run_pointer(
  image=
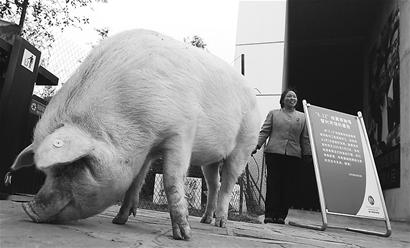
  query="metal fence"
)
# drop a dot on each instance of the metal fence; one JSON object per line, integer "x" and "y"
{"x": 246, "y": 197}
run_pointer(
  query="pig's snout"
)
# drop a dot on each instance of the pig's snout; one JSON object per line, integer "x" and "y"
{"x": 41, "y": 214}
{"x": 40, "y": 210}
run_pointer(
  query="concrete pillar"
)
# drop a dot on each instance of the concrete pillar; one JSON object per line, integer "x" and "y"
{"x": 401, "y": 209}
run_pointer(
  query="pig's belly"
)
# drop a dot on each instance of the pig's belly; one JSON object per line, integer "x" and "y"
{"x": 205, "y": 159}
{"x": 214, "y": 140}
{"x": 209, "y": 153}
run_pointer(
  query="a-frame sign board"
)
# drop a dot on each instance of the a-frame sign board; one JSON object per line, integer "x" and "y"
{"x": 346, "y": 175}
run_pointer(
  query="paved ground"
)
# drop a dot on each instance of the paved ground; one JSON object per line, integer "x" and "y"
{"x": 153, "y": 229}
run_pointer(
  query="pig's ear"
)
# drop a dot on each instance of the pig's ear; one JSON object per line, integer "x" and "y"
{"x": 24, "y": 159}
{"x": 64, "y": 145}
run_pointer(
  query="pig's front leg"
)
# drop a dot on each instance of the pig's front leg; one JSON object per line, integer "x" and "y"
{"x": 176, "y": 162}
{"x": 130, "y": 203}
{"x": 211, "y": 174}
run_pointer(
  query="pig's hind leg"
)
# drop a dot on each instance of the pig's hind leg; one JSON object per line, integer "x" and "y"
{"x": 211, "y": 175}
{"x": 231, "y": 170}
{"x": 130, "y": 203}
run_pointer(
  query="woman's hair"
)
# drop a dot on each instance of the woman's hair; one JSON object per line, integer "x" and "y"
{"x": 282, "y": 96}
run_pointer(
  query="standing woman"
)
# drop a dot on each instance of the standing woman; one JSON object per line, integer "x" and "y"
{"x": 288, "y": 143}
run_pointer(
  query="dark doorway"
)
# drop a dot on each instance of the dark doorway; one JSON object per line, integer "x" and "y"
{"x": 325, "y": 52}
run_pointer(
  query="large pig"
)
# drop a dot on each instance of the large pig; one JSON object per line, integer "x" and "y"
{"x": 139, "y": 96}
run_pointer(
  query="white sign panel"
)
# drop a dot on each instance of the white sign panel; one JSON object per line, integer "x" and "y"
{"x": 345, "y": 164}
{"x": 29, "y": 60}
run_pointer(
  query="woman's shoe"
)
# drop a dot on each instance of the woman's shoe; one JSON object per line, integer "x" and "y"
{"x": 268, "y": 220}
{"x": 280, "y": 221}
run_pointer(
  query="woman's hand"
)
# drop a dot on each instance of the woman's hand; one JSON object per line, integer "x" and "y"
{"x": 255, "y": 150}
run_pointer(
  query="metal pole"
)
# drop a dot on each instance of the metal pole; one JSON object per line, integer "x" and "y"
{"x": 246, "y": 169}
{"x": 23, "y": 14}
{"x": 241, "y": 194}
{"x": 243, "y": 64}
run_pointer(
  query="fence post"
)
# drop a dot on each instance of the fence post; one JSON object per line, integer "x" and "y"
{"x": 240, "y": 194}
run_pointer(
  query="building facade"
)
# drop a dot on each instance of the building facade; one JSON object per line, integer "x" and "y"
{"x": 347, "y": 55}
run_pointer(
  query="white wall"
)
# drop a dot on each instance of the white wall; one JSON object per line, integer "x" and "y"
{"x": 261, "y": 21}
{"x": 260, "y": 37}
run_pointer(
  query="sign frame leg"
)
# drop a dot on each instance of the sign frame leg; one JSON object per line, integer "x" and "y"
{"x": 386, "y": 219}
{"x": 318, "y": 181}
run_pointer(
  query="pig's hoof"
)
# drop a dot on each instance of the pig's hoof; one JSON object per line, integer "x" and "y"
{"x": 29, "y": 211}
{"x": 120, "y": 219}
{"x": 220, "y": 221}
{"x": 207, "y": 219}
{"x": 133, "y": 211}
{"x": 181, "y": 232}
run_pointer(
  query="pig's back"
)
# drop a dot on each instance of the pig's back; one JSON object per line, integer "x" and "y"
{"x": 142, "y": 80}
